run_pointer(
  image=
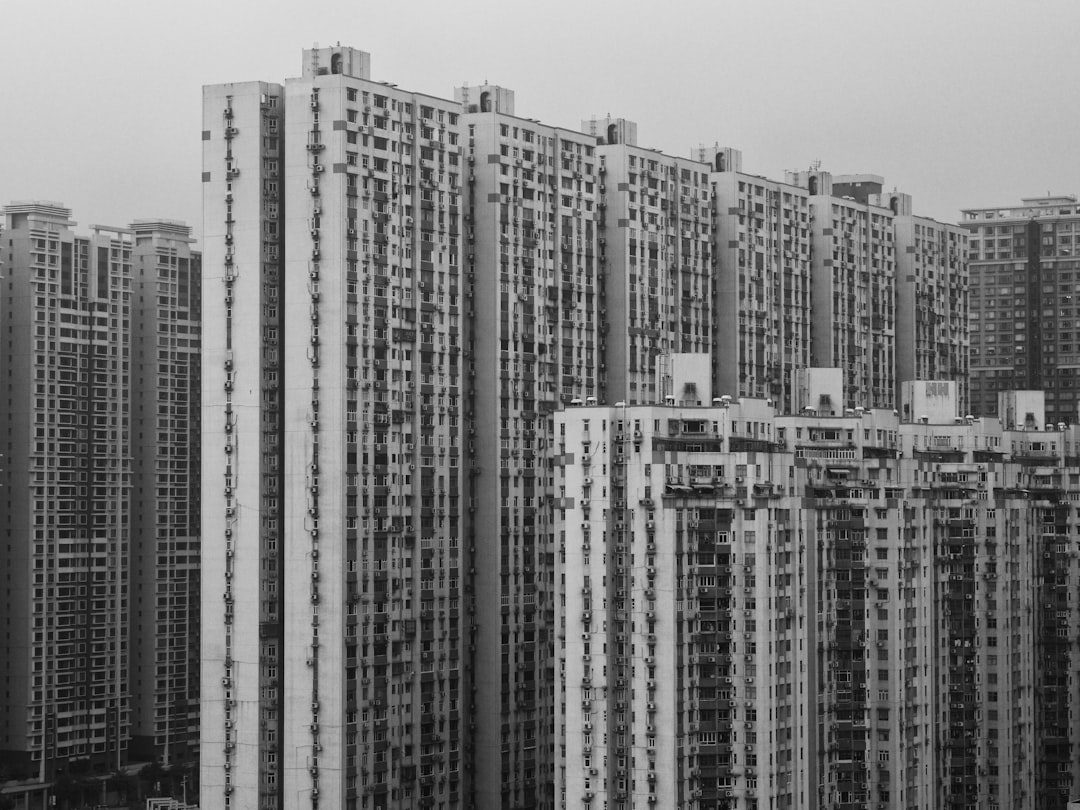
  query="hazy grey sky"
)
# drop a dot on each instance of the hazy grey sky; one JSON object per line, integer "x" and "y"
{"x": 961, "y": 104}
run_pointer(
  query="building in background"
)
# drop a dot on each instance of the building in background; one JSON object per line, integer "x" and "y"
{"x": 165, "y": 306}
{"x": 1025, "y": 326}
{"x": 761, "y": 288}
{"x": 66, "y": 480}
{"x": 799, "y": 611}
{"x": 333, "y": 606}
{"x": 932, "y": 341}
{"x": 889, "y": 289}
{"x": 534, "y": 316}
{"x": 853, "y": 288}
{"x": 653, "y": 218}
{"x": 931, "y": 288}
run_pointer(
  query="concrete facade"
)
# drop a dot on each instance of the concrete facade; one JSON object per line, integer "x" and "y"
{"x": 813, "y": 611}
{"x": 653, "y": 222}
{"x": 931, "y": 299}
{"x": 853, "y": 290}
{"x": 535, "y": 325}
{"x": 761, "y": 297}
{"x": 66, "y": 477}
{"x": 332, "y": 653}
{"x": 1024, "y": 268}
{"x": 405, "y": 295}
{"x": 166, "y": 317}
{"x": 240, "y": 649}
{"x": 931, "y": 287}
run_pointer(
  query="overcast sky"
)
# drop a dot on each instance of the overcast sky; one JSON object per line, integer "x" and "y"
{"x": 960, "y": 104}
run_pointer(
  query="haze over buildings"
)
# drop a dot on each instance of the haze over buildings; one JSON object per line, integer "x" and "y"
{"x": 816, "y": 82}
{"x": 533, "y": 452}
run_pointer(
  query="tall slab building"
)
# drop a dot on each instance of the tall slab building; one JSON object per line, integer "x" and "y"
{"x": 931, "y": 288}
{"x": 65, "y": 367}
{"x": 761, "y": 244}
{"x": 166, "y": 317}
{"x": 332, "y": 607}
{"x": 241, "y": 520}
{"x": 853, "y": 290}
{"x": 654, "y": 247}
{"x": 535, "y": 296}
{"x": 1024, "y": 268}
{"x": 412, "y": 288}
{"x": 932, "y": 341}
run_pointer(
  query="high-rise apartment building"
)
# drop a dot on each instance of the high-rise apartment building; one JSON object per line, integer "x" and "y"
{"x": 1025, "y": 267}
{"x": 166, "y": 280}
{"x": 653, "y": 219}
{"x": 932, "y": 340}
{"x": 889, "y": 289}
{"x": 332, "y": 570}
{"x": 242, "y": 449}
{"x": 487, "y": 257}
{"x": 761, "y": 301}
{"x": 401, "y": 295}
{"x": 600, "y": 251}
{"x": 635, "y": 626}
{"x": 811, "y": 611}
{"x": 534, "y": 305}
{"x": 853, "y": 289}
{"x": 931, "y": 288}
{"x": 66, "y": 481}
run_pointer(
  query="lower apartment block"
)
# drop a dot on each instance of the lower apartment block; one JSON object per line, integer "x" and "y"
{"x": 765, "y": 611}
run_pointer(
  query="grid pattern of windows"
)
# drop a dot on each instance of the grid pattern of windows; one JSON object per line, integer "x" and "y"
{"x": 67, "y": 481}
